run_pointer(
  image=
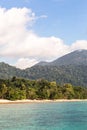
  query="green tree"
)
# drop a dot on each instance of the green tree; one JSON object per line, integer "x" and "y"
{"x": 68, "y": 91}
{"x": 31, "y": 93}
{"x": 3, "y": 90}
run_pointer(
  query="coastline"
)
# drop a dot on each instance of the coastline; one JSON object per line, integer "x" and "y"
{"x": 4, "y": 101}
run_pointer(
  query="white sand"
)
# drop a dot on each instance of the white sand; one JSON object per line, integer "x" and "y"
{"x": 3, "y": 101}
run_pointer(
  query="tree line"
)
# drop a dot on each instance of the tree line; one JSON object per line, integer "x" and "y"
{"x": 18, "y": 89}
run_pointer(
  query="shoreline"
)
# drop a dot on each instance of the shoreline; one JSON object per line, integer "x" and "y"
{"x": 4, "y": 101}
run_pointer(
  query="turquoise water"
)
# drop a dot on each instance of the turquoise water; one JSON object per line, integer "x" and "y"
{"x": 44, "y": 116}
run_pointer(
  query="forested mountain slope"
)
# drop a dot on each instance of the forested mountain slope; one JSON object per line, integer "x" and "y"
{"x": 71, "y": 68}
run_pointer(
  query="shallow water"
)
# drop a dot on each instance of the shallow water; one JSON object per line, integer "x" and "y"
{"x": 44, "y": 116}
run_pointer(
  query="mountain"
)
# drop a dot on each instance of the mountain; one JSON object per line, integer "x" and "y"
{"x": 71, "y": 68}
{"x": 42, "y": 63}
{"x": 8, "y": 71}
{"x": 78, "y": 57}
{"x": 76, "y": 75}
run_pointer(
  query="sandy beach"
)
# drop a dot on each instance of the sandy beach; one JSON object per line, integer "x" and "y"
{"x": 4, "y": 101}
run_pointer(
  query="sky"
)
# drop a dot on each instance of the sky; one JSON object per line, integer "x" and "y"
{"x": 41, "y": 30}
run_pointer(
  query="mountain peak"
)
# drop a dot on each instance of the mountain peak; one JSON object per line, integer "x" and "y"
{"x": 42, "y": 63}
{"x": 78, "y": 57}
{"x": 70, "y": 68}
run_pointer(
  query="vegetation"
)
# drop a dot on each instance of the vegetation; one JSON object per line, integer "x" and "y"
{"x": 16, "y": 88}
{"x": 71, "y": 68}
{"x": 76, "y": 75}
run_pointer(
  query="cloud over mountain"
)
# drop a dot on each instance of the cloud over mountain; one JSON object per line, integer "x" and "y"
{"x": 18, "y": 40}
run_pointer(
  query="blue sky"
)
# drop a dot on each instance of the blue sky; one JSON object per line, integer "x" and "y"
{"x": 58, "y": 24}
{"x": 66, "y": 19}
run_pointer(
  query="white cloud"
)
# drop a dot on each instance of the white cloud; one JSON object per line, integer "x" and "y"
{"x": 17, "y": 40}
{"x": 79, "y": 44}
{"x": 25, "y": 63}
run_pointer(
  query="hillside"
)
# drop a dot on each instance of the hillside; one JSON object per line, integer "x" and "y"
{"x": 71, "y": 68}
{"x": 8, "y": 71}
{"x": 76, "y": 75}
{"x": 78, "y": 57}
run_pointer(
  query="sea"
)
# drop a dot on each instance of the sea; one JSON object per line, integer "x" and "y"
{"x": 44, "y": 116}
